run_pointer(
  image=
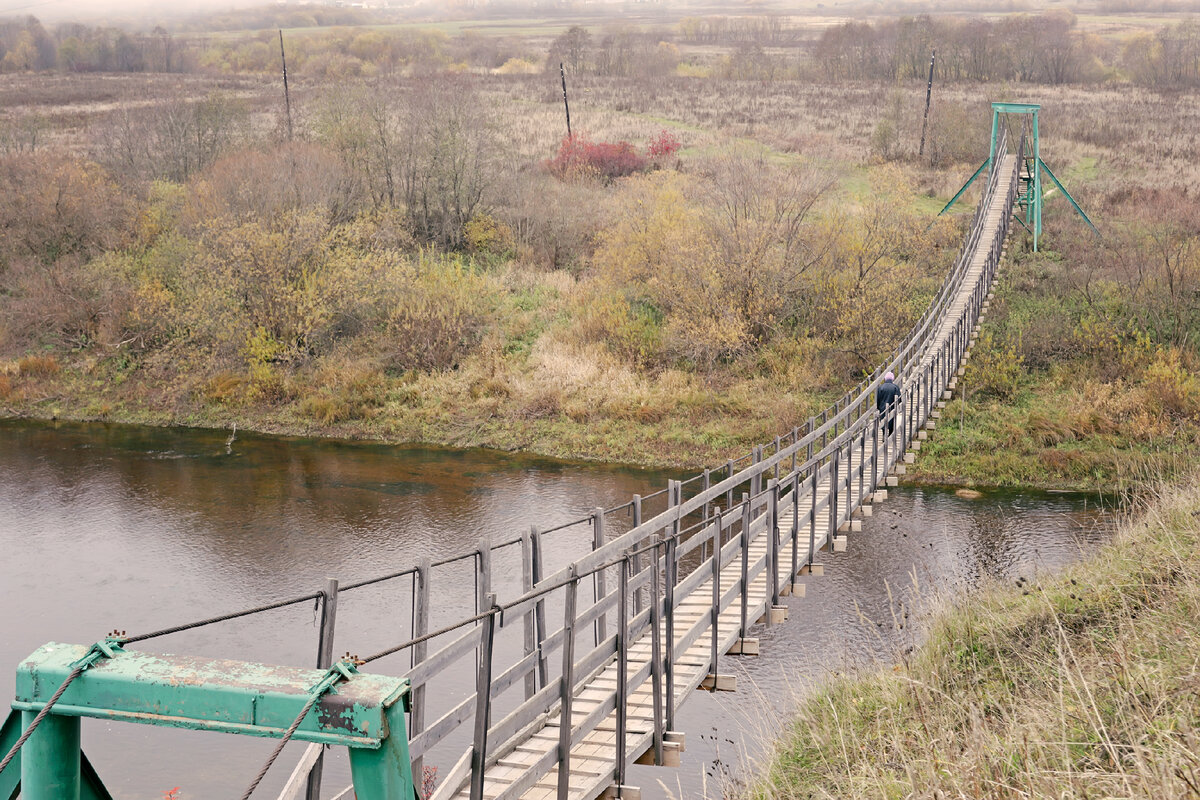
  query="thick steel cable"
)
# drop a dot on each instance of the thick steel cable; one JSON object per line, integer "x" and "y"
{"x": 505, "y": 607}
{"x": 222, "y": 618}
{"x": 379, "y": 579}
{"x": 426, "y": 637}
{"x": 287, "y": 736}
{"x": 16, "y": 748}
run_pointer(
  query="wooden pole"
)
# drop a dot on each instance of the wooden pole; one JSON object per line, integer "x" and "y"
{"x": 622, "y": 667}
{"x": 566, "y": 107}
{"x": 568, "y": 688}
{"x": 416, "y": 717}
{"x": 539, "y": 607}
{"x": 745, "y": 622}
{"x": 529, "y": 627}
{"x": 485, "y": 572}
{"x": 600, "y": 591}
{"x": 928, "y": 96}
{"x": 636, "y": 566}
{"x": 656, "y": 666}
{"x": 324, "y": 661}
{"x": 716, "y": 595}
{"x": 483, "y": 700}
{"x": 287, "y": 97}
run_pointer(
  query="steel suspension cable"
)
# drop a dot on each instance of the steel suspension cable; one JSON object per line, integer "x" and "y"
{"x": 41, "y": 715}
{"x": 287, "y": 737}
{"x": 222, "y": 618}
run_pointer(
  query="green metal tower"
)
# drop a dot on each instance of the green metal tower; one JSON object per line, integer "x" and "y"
{"x": 1028, "y": 208}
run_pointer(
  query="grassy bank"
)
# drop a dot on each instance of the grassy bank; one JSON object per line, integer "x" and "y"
{"x": 1080, "y": 685}
{"x": 1084, "y": 375}
{"x": 576, "y": 405}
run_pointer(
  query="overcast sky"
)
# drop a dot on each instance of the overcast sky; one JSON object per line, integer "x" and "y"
{"x": 92, "y": 10}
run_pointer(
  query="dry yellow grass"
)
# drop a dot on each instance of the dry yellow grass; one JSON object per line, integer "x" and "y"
{"x": 1080, "y": 685}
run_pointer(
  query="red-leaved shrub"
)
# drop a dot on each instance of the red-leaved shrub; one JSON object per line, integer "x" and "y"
{"x": 578, "y": 155}
{"x": 664, "y": 145}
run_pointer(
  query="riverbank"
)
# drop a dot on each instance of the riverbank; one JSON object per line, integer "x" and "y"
{"x": 1081, "y": 684}
{"x": 1043, "y": 437}
{"x": 682, "y": 420}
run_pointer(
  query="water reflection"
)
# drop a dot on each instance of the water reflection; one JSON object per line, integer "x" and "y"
{"x": 136, "y": 528}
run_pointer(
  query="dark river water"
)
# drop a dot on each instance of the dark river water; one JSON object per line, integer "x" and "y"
{"x": 105, "y": 527}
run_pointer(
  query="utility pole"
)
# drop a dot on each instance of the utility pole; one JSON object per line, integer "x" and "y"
{"x": 287, "y": 98}
{"x": 928, "y": 95}
{"x": 563, "y": 72}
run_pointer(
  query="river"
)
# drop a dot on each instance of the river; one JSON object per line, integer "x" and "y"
{"x": 136, "y": 528}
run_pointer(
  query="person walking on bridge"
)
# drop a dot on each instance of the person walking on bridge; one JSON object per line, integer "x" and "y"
{"x": 886, "y": 396}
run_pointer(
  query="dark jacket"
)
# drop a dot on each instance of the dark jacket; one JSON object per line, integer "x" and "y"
{"x": 886, "y": 394}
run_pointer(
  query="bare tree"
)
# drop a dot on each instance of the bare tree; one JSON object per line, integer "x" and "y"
{"x": 447, "y": 159}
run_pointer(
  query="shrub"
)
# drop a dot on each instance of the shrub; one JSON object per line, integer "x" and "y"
{"x": 1170, "y": 387}
{"x": 487, "y": 235}
{"x": 440, "y": 317}
{"x": 663, "y": 146}
{"x": 997, "y": 366}
{"x": 632, "y": 331}
{"x": 579, "y": 156}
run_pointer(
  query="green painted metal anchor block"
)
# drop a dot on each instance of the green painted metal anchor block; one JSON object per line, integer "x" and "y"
{"x": 364, "y": 713}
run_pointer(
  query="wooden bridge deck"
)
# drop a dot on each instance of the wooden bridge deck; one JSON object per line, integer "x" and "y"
{"x": 517, "y": 771}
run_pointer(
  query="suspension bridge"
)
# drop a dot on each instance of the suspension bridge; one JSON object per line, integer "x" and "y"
{"x": 583, "y": 671}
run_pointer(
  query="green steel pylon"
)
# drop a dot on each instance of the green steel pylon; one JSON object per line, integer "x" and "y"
{"x": 1028, "y": 207}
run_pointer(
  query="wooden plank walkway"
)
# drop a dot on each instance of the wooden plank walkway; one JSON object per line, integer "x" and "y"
{"x": 786, "y": 531}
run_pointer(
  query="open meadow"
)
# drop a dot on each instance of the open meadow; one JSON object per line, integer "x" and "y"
{"x": 739, "y": 228}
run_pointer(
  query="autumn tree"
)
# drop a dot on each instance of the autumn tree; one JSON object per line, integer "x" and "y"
{"x": 724, "y": 257}
{"x": 448, "y": 158}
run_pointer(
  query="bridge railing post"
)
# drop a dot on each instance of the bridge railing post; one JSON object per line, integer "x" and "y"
{"x": 636, "y": 566}
{"x": 745, "y": 626}
{"x": 875, "y": 453}
{"x": 669, "y": 626}
{"x": 529, "y": 640}
{"x": 812, "y": 514}
{"x": 483, "y": 582}
{"x": 421, "y": 613}
{"x": 848, "y": 497}
{"x": 622, "y": 698}
{"x": 756, "y": 478}
{"x": 729, "y": 493}
{"x": 483, "y": 699}
{"x": 329, "y": 598}
{"x": 833, "y": 496}
{"x": 795, "y": 531}
{"x": 772, "y": 533}
{"x": 656, "y": 664}
{"x": 716, "y": 595}
{"x": 862, "y": 463}
{"x": 567, "y": 694}
{"x": 795, "y": 441}
{"x": 599, "y": 589}
{"x": 539, "y": 606}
